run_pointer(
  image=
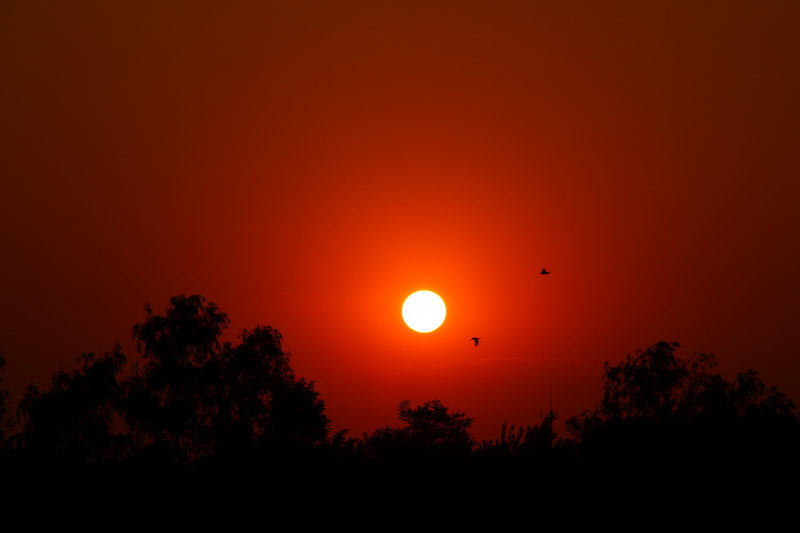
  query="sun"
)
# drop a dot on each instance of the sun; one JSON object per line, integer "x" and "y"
{"x": 424, "y": 311}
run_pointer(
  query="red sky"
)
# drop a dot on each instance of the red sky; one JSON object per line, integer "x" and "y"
{"x": 307, "y": 165}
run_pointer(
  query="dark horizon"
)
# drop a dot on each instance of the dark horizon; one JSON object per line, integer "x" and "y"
{"x": 195, "y": 401}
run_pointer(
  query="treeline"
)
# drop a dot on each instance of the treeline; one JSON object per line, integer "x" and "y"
{"x": 194, "y": 404}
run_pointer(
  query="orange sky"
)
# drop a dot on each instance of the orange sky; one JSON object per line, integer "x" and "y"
{"x": 307, "y": 165}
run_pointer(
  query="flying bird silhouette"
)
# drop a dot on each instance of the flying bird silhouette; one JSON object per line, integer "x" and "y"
{"x": 475, "y": 340}
{"x": 544, "y": 272}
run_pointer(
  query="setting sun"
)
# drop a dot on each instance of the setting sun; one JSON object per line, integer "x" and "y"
{"x": 211, "y": 209}
{"x": 424, "y": 311}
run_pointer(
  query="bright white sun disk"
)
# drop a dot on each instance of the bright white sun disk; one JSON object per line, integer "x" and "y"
{"x": 424, "y": 311}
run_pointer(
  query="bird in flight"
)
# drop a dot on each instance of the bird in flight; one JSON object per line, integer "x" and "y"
{"x": 475, "y": 340}
{"x": 544, "y": 272}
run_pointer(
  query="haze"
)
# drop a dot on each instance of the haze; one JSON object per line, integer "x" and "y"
{"x": 309, "y": 165}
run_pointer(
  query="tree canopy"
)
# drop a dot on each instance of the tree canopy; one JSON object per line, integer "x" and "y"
{"x": 432, "y": 434}
{"x": 193, "y": 401}
{"x": 192, "y": 398}
{"x": 77, "y": 420}
{"x": 199, "y": 398}
{"x": 3, "y": 406}
{"x": 656, "y": 404}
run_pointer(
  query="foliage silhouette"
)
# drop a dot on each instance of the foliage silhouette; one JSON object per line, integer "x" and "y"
{"x": 171, "y": 398}
{"x": 261, "y": 404}
{"x": 529, "y": 449}
{"x": 194, "y": 403}
{"x": 3, "y": 410}
{"x": 529, "y": 439}
{"x": 659, "y": 409}
{"x": 197, "y": 398}
{"x": 433, "y": 426}
{"x": 77, "y": 420}
{"x": 432, "y": 436}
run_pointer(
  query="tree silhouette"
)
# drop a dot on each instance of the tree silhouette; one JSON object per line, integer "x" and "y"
{"x": 3, "y": 409}
{"x": 260, "y": 405}
{"x": 197, "y": 398}
{"x": 432, "y": 424}
{"x": 656, "y": 406}
{"x": 433, "y": 435}
{"x": 654, "y": 385}
{"x": 171, "y": 400}
{"x": 77, "y": 420}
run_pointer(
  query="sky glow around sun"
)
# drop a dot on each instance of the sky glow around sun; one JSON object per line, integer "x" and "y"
{"x": 308, "y": 165}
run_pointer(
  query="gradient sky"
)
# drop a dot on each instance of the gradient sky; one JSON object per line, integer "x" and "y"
{"x": 307, "y": 165}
